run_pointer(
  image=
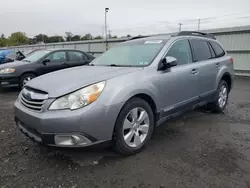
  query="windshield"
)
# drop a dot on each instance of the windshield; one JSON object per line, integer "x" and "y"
{"x": 36, "y": 56}
{"x": 136, "y": 54}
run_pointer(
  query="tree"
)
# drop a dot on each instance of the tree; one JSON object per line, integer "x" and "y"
{"x": 69, "y": 35}
{"x": 88, "y": 36}
{"x": 98, "y": 37}
{"x": 54, "y": 39}
{"x": 76, "y": 38}
{"x": 128, "y": 35}
{"x": 114, "y": 37}
{"x": 18, "y": 38}
{"x": 2, "y": 36}
{"x": 41, "y": 38}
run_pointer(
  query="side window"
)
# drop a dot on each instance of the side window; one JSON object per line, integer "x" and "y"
{"x": 57, "y": 56}
{"x": 76, "y": 56}
{"x": 201, "y": 49}
{"x": 211, "y": 50}
{"x": 217, "y": 48}
{"x": 181, "y": 51}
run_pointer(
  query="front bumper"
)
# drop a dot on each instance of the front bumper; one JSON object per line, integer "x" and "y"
{"x": 93, "y": 124}
{"x": 8, "y": 80}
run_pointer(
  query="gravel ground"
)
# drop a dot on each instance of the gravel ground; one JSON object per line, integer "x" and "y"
{"x": 197, "y": 149}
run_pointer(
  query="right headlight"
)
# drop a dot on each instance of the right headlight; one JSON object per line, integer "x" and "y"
{"x": 80, "y": 98}
{"x": 7, "y": 71}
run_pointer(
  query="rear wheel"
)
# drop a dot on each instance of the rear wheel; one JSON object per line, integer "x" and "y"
{"x": 221, "y": 97}
{"x": 134, "y": 127}
{"x": 25, "y": 79}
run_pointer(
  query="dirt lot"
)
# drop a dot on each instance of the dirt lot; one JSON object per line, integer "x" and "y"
{"x": 198, "y": 149}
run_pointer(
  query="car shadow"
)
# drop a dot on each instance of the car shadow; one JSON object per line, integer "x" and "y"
{"x": 9, "y": 90}
{"x": 103, "y": 154}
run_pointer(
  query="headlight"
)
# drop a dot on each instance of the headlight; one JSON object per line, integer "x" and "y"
{"x": 7, "y": 71}
{"x": 80, "y": 98}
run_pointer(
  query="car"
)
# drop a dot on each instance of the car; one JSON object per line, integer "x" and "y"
{"x": 3, "y": 55}
{"x": 125, "y": 93}
{"x": 41, "y": 62}
{"x": 14, "y": 56}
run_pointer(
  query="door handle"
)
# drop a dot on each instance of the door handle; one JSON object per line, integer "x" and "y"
{"x": 218, "y": 65}
{"x": 194, "y": 71}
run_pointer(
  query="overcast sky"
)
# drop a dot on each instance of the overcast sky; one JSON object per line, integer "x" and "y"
{"x": 54, "y": 17}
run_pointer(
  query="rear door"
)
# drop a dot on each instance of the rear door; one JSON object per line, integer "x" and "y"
{"x": 206, "y": 62}
{"x": 77, "y": 58}
{"x": 58, "y": 61}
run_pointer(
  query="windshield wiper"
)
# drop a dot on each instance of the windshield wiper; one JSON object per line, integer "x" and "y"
{"x": 115, "y": 65}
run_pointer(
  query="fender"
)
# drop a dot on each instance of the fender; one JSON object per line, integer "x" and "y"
{"x": 223, "y": 71}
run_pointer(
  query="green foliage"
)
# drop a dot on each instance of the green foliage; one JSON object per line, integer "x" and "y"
{"x": 98, "y": 37}
{"x": 54, "y": 39}
{"x": 18, "y": 38}
{"x": 88, "y": 36}
{"x": 76, "y": 38}
{"x": 41, "y": 38}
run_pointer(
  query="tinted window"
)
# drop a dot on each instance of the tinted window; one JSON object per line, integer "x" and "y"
{"x": 201, "y": 49}
{"x": 212, "y": 51}
{"x": 76, "y": 56}
{"x": 217, "y": 48}
{"x": 181, "y": 51}
{"x": 57, "y": 57}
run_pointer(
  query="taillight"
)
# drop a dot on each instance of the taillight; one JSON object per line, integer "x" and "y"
{"x": 232, "y": 60}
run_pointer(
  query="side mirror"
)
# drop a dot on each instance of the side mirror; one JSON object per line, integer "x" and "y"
{"x": 167, "y": 63}
{"x": 45, "y": 61}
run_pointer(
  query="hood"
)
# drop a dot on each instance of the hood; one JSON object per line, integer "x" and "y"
{"x": 68, "y": 80}
{"x": 13, "y": 64}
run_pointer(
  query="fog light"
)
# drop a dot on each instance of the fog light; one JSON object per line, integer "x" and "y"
{"x": 71, "y": 140}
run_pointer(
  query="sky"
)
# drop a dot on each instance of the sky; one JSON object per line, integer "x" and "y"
{"x": 55, "y": 17}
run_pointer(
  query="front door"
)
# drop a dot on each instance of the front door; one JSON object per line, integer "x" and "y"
{"x": 179, "y": 85}
{"x": 58, "y": 61}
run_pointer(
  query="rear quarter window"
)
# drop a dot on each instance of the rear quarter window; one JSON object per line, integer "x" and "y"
{"x": 219, "y": 52}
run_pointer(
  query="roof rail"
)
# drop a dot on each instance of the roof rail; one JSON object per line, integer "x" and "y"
{"x": 137, "y": 37}
{"x": 195, "y": 33}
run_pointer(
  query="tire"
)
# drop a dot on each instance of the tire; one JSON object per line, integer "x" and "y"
{"x": 216, "y": 106}
{"x": 24, "y": 78}
{"x": 136, "y": 134}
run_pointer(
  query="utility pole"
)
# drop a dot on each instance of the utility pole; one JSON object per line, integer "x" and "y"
{"x": 109, "y": 34}
{"x": 106, "y": 32}
{"x": 180, "y": 24}
{"x": 199, "y": 22}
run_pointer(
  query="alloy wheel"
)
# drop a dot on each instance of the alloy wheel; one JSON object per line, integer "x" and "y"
{"x": 136, "y": 127}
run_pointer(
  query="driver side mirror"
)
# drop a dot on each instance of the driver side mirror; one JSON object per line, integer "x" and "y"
{"x": 167, "y": 63}
{"x": 45, "y": 61}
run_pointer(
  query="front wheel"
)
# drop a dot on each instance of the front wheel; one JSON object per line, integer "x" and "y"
{"x": 221, "y": 97}
{"x": 134, "y": 127}
{"x": 25, "y": 78}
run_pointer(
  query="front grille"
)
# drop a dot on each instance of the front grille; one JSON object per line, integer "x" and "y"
{"x": 32, "y": 99}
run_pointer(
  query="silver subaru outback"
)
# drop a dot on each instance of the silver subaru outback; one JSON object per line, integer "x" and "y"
{"x": 123, "y": 95}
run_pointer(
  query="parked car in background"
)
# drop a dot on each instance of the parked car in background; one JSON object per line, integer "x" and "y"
{"x": 3, "y": 55}
{"x": 14, "y": 56}
{"x": 127, "y": 92}
{"x": 18, "y": 73}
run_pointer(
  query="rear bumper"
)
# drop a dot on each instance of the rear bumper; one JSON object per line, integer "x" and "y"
{"x": 8, "y": 80}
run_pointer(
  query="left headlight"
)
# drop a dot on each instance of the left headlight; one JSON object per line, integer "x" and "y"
{"x": 7, "y": 71}
{"x": 80, "y": 98}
